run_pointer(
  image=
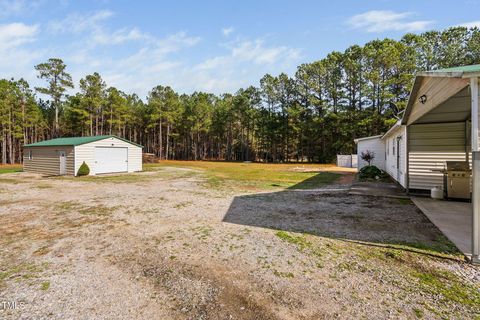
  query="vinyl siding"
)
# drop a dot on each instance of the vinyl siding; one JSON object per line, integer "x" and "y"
{"x": 430, "y": 146}
{"x": 46, "y": 160}
{"x": 398, "y": 174}
{"x": 86, "y": 152}
{"x": 377, "y": 146}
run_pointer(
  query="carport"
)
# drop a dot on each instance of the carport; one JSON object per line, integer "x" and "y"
{"x": 442, "y": 119}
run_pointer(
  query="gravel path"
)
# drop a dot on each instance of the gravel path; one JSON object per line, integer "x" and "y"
{"x": 162, "y": 245}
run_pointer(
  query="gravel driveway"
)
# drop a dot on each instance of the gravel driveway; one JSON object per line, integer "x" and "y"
{"x": 162, "y": 245}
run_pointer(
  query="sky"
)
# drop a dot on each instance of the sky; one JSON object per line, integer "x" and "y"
{"x": 216, "y": 46}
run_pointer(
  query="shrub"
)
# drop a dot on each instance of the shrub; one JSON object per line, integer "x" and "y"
{"x": 371, "y": 172}
{"x": 84, "y": 170}
{"x": 368, "y": 156}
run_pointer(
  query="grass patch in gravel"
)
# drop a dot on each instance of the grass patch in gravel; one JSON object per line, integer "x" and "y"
{"x": 441, "y": 245}
{"x": 257, "y": 175}
{"x": 22, "y": 271}
{"x": 75, "y": 206}
{"x": 184, "y": 204}
{"x": 283, "y": 274}
{"x": 300, "y": 241}
{"x": 302, "y": 244}
{"x": 449, "y": 286}
{"x": 202, "y": 233}
{"x": 45, "y": 285}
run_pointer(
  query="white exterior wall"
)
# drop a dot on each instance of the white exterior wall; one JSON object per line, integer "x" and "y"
{"x": 430, "y": 146}
{"x": 377, "y": 146}
{"x": 86, "y": 152}
{"x": 399, "y": 173}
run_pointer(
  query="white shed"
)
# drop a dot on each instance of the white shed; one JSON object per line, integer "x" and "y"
{"x": 64, "y": 156}
{"x": 374, "y": 144}
{"x": 395, "y": 141}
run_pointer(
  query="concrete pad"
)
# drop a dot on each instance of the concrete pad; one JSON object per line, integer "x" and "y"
{"x": 453, "y": 218}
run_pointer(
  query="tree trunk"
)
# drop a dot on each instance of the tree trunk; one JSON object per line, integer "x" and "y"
{"x": 167, "y": 142}
{"x": 160, "y": 145}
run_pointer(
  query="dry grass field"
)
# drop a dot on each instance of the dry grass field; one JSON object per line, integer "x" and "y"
{"x": 214, "y": 240}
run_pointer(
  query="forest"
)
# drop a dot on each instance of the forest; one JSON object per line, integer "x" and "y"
{"x": 310, "y": 116}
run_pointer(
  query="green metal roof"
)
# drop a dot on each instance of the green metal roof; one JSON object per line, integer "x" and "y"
{"x": 454, "y": 72}
{"x": 74, "y": 141}
{"x": 471, "y": 68}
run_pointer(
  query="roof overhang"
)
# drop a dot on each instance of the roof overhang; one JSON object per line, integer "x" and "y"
{"x": 367, "y": 138}
{"x": 444, "y": 88}
{"x": 438, "y": 88}
{"x": 397, "y": 126}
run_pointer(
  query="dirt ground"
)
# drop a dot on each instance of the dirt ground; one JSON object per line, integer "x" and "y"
{"x": 163, "y": 244}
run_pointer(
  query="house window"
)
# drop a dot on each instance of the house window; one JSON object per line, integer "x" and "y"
{"x": 393, "y": 148}
{"x": 29, "y": 154}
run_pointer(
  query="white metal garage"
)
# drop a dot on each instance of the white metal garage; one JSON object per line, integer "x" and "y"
{"x": 102, "y": 154}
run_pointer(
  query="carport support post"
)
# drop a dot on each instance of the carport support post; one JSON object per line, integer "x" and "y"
{"x": 476, "y": 172}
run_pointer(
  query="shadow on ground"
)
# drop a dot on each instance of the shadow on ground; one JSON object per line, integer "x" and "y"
{"x": 337, "y": 214}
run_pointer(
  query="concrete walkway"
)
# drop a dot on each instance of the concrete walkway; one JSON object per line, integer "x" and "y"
{"x": 453, "y": 218}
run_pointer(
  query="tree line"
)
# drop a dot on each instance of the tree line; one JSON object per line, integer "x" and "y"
{"x": 310, "y": 116}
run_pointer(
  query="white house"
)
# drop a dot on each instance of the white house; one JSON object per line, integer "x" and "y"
{"x": 64, "y": 156}
{"x": 395, "y": 141}
{"x": 440, "y": 124}
{"x": 442, "y": 119}
{"x": 374, "y": 144}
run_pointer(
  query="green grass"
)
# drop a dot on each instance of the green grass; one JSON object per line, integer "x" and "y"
{"x": 300, "y": 241}
{"x": 11, "y": 168}
{"x": 440, "y": 245}
{"x": 45, "y": 285}
{"x": 282, "y": 274}
{"x": 22, "y": 271}
{"x": 418, "y": 313}
{"x": 98, "y": 210}
{"x": 449, "y": 286}
{"x": 252, "y": 176}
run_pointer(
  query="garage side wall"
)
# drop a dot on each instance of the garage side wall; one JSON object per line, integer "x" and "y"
{"x": 377, "y": 146}
{"x": 46, "y": 160}
{"x": 430, "y": 146}
{"x": 86, "y": 152}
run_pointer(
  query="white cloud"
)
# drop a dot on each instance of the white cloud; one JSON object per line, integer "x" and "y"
{"x": 175, "y": 42}
{"x": 385, "y": 20}
{"x": 254, "y": 52}
{"x": 257, "y": 52}
{"x": 471, "y": 24}
{"x": 93, "y": 26}
{"x": 226, "y": 31}
{"x": 16, "y": 60}
{"x": 15, "y": 34}
{"x": 16, "y": 7}
{"x": 77, "y": 23}
{"x": 119, "y": 36}
{"x": 159, "y": 62}
{"x": 151, "y": 64}
{"x": 144, "y": 61}
{"x": 246, "y": 62}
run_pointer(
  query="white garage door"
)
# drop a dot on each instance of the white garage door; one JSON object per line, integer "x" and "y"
{"x": 108, "y": 159}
